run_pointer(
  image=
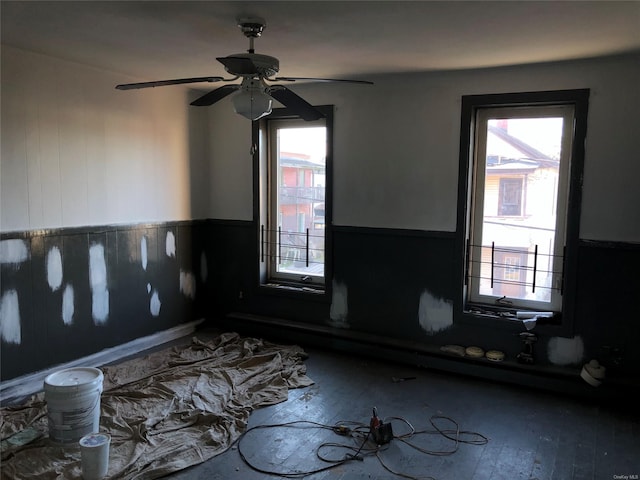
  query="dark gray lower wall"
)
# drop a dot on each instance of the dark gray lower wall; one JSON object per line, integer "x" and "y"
{"x": 606, "y": 310}
{"x": 208, "y": 268}
{"x": 68, "y": 293}
{"x": 385, "y": 273}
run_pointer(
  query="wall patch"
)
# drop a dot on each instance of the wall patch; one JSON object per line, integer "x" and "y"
{"x": 68, "y": 307}
{"x": 13, "y": 251}
{"x": 434, "y": 314}
{"x": 188, "y": 284}
{"x": 339, "y": 305}
{"x": 155, "y": 304}
{"x": 54, "y": 269}
{"x": 98, "y": 284}
{"x": 10, "y": 318}
{"x": 143, "y": 252}
{"x": 565, "y": 351}
{"x": 170, "y": 244}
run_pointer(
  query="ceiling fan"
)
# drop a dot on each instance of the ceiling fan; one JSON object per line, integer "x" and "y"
{"x": 253, "y": 96}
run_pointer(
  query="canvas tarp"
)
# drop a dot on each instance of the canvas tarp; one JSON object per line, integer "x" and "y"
{"x": 166, "y": 411}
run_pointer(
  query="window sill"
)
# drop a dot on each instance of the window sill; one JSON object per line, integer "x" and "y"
{"x": 510, "y": 312}
{"x": 506, "y": 319}
{"x": 295, "y": 291}
{"x": 295, "y": 288}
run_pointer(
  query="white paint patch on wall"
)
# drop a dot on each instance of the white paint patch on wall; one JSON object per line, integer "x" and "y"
{"x": 204, "y": 270}
{"x": 339, "y": 305}
{"x": 13, "y": 251}
{"x": 170, "y": 244}
{"x": 68, "y": 307}
{"x": 565, "y": 351}
{"x": 10, "y": 318}
{"x": 54, "y": 268}
{"x": 98, "y": 284}
{"x": 434, "y": 314}
{"x": 188, "y": 284}
{"x": 143, "y": 252}
{"x": 155, "y": 304}
{"x": 148, "y": 288}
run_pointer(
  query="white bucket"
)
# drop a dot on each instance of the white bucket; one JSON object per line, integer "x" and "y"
{"x": 73, "y": 403}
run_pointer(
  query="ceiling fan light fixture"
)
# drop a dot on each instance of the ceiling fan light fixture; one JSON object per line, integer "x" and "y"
{"x": 252, "y": 103}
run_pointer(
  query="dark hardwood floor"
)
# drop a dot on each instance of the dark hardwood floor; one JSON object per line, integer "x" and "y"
{"x": 530, "y": 434}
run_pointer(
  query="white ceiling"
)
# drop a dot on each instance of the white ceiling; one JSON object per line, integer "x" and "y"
{"x": 153, "y": 40}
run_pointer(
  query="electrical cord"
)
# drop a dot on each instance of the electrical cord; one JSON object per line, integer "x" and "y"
{"x": 447, "y": 433}
{"x": 360, "y": 433}
{"x": 472, "y": 438}
{"x": 303, "y": 424}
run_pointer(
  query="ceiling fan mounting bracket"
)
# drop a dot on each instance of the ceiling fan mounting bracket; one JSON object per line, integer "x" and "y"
{"x": 252, "y": 27}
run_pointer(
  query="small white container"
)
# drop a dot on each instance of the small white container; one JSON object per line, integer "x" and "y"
{"x": 94, "y": 450}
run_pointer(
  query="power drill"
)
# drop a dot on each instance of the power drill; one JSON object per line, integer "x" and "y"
{"x": 381, "y": 432}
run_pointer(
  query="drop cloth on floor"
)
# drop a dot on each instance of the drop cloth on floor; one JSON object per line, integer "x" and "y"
{"x": 166, "y": 411}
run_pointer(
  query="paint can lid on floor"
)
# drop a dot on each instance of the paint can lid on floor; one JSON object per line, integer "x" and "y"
{"x": 474, "y": 352}
{"x": 495, "y": 355}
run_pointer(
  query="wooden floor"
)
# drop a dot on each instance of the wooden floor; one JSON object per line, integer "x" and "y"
{"x": 530, "y": 434}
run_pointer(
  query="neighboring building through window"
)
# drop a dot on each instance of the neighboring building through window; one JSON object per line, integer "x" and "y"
{"x": 521, "y": 206}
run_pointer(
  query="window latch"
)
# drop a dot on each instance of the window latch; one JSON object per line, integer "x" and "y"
{"x": 503, "y": 301}
{"x": 306, "y": 279}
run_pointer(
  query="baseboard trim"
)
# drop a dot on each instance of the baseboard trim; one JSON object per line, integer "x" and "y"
{"x": 550, "y": 378}
{"x": 25, "y": 385}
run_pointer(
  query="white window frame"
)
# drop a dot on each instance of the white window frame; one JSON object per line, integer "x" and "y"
{"x": 477, "y": 189}
{"x": 267, "y": 181}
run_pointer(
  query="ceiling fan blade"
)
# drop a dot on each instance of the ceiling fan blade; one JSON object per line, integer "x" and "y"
{"x": 162, "y": 83}
{"x": 296, "y": 103}
{"x": 293, "y": 79}
{"x": 215, "y": 95}
{"x": 238, "y": 65}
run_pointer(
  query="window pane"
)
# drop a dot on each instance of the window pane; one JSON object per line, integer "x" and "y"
{"x": 519, "y": 225}
{"x": 510, "y": 200}
{"x": 301, "y": 176}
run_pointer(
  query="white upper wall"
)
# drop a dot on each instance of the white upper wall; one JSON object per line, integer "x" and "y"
{"x": 230, "y": 163}
{"x": 77, "y": 152}
{"x": 396, "y": 145}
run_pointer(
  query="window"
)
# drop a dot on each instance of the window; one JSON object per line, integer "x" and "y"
{"x": 521, "y": 165}
{"x": 510, "y": 200}
{"x": 294, "y": 201}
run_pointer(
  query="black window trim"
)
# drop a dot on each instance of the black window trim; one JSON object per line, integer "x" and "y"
{"x": 561, "y": 324}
